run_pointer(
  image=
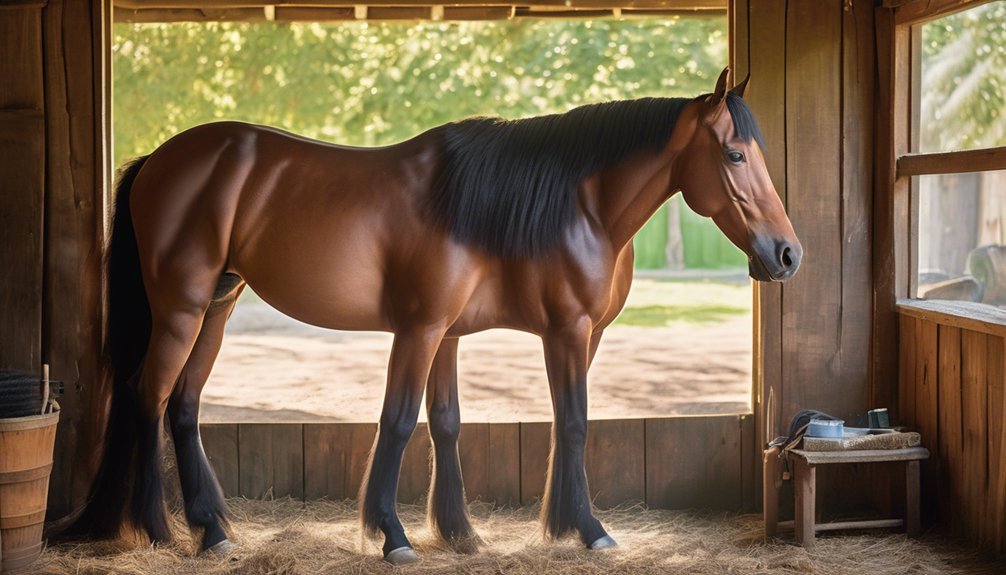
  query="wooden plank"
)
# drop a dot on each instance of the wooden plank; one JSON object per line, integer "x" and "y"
{"x": 766, "y": 56}
{"x": 22, "y": 169}
{"x": 358, "y": 443}
{"x": 684, "y": 5}
{"x": 615, "y": 459}
{"x": 750, "y": 464}
{"x": 693, "y": 462}
{"x": 271, "y": 460}
{"x": 158, "y": 15}
{"x": 73, "y": 219}
{"x": 962, "y": 162}
{"x": 473, "y": 450}
{"x": 771, "y": 482}
{"x": 535, "y": 442}
{"x": 912, "y": 495}
{"x": 927, "y": 401}
{"x": 325, "y": 458}
{"x": 858, "y": 55}
{"x": 971, "y": 316}
{"x": 504, "y": 464}
{"x": 220, "y": 442}
{"x": 861, "y": 455}
{"x": 814, "y": 373}
{"x": 887, "y": 226}
{"x": 414, "y": 480}
{"x": 996, "y": 435}
{"x": 907, "y": 344}
{"x": 951, "y": 444}
{"x": 974, "y": 403}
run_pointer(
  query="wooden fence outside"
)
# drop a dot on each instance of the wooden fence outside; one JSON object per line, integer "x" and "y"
{"x": 951, "y": 390}
{"x": 671, "y": 463}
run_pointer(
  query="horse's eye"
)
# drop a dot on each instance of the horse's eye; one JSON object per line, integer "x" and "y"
{"x": 735, "y": 156}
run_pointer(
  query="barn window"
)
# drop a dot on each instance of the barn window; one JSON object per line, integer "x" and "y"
{"x": 957, "y": 155}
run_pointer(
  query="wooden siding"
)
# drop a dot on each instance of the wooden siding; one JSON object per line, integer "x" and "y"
{"x": 672, "y": 463}
{"x": 951, "y": 391}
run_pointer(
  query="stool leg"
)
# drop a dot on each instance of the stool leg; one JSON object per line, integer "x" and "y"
{"x": 770, "y": 491}
{"x": 804, "y": 483}
{"x": 912, "y": 497}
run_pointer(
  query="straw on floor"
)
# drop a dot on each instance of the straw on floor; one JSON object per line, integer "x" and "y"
{"x": 291, "y": 538}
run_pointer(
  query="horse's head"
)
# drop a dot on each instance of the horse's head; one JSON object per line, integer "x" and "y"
{"x": 721, "y": 173}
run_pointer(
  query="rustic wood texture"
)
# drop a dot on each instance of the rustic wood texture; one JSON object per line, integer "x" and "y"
{"x": 22, "y": 184}
{"x": 535, "y": 441}
{"x": 473, "y": 450}
{"x": 503, "y": 467}
{"x": 616, "y": 461}
{"x": 325, "y": 458}
{"x": 906, "y": 379}
{"x": 271, "y": 460}
{"x": 952, "y": 162}
{"x": 974, "y": 394}
{"x": 220, "y": 442}
{"x": 963, "y": 484}
{"x": 686, "y": 5}
{"x": 966, "y": 315}
{"x": 693, "y": 462}
{"x": 916, "y": 11}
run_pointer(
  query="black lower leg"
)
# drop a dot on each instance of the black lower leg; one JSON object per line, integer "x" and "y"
{"x": 448, "y": 511}
{"x": 381, "y": 485}
{"x": 148, "y": 509}
{"x": 204, "y": 504}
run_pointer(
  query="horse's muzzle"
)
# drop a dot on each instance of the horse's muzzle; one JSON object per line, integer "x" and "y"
{"x": 782, "y": 261}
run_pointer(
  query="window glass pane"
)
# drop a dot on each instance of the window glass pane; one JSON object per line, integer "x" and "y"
{"x": 964, "y": 80}
{"x": 962, "y": 237}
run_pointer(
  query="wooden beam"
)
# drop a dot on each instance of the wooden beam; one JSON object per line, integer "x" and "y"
{"x": 690, "y": 5}
{"x": 918, "y": 11}
{"x": 952, "y": 162}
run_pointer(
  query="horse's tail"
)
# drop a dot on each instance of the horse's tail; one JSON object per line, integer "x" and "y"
{"x": 126, "y": 337}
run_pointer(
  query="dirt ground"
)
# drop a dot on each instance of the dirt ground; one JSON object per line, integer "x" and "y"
{"x": 273, "y": 368}
{"x": 293, "y": 538}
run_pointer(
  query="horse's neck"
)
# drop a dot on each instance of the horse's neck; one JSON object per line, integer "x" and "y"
{"x": 626, "y": 195}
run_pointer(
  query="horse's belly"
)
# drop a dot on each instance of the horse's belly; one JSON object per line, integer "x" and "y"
{"x": 328, "y": 286}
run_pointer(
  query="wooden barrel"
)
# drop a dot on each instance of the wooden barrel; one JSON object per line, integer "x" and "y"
{"x": 25, "y": 462}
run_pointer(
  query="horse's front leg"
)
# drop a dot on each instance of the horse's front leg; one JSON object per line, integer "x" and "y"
{"x": 566, "y": 506}
{"x": 411, "y": 357}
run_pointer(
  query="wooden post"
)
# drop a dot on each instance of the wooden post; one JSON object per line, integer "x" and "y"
{"x": 912, "y": 496}
{"x": 805, "y": 480}
{"x": 770, "y": 491}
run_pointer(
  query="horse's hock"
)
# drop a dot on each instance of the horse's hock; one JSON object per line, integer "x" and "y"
{"x": 26, "y": 445}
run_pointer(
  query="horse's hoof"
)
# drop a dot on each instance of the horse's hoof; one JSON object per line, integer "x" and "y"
{"x": 222, "y": 549}
{"x": 605, "y": 542}
{"x": 401, "y": 556}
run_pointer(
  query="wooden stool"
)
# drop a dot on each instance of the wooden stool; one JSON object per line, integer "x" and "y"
{"x": 805, "y": 464}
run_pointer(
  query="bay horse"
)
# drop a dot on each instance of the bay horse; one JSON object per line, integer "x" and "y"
{"x": 479, "y": 224}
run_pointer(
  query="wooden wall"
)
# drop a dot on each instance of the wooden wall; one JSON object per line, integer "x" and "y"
{"x": 672, "y": 463}
{"x": 951, "y": 382}
{"x": 812, "y": 67}
{"x": 51, "y": 206}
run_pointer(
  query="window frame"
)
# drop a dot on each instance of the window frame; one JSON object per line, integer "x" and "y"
{"x": 909, "y": 16}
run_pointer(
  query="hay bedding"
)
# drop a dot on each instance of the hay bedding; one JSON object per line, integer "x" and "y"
{"x": 292, "y": 538}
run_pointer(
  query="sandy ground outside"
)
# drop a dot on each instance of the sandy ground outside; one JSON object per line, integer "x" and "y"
{"x": 273, "y": 368}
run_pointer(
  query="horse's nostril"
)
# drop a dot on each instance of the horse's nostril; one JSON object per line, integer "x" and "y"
{"x": 786, "y": 257}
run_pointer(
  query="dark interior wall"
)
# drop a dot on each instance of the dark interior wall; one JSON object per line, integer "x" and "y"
{"x": 812, "y": 68}
{"x": 51, "y": 153}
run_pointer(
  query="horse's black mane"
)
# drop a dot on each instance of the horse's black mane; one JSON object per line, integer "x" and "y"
{"x": 509, "y": 186}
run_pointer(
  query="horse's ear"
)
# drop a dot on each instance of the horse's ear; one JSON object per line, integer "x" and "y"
{"x": 721, "y": 88}
{"x": 742, "y": 88}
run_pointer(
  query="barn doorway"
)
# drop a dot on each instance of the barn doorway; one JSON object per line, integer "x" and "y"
{"x": 683, "y": 345}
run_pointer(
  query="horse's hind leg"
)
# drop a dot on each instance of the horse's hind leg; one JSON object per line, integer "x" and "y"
{"x": 204, "y": 504}
{"x": 448, "y": 512}
{"x": 411, "y": 357}
{"x": 177, "y": 311}
{"x": 566, "y": 506}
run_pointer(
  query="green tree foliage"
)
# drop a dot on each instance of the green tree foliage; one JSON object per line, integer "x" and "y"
{"x": 372, "y": 84}
{"x": 964, "y": 80}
